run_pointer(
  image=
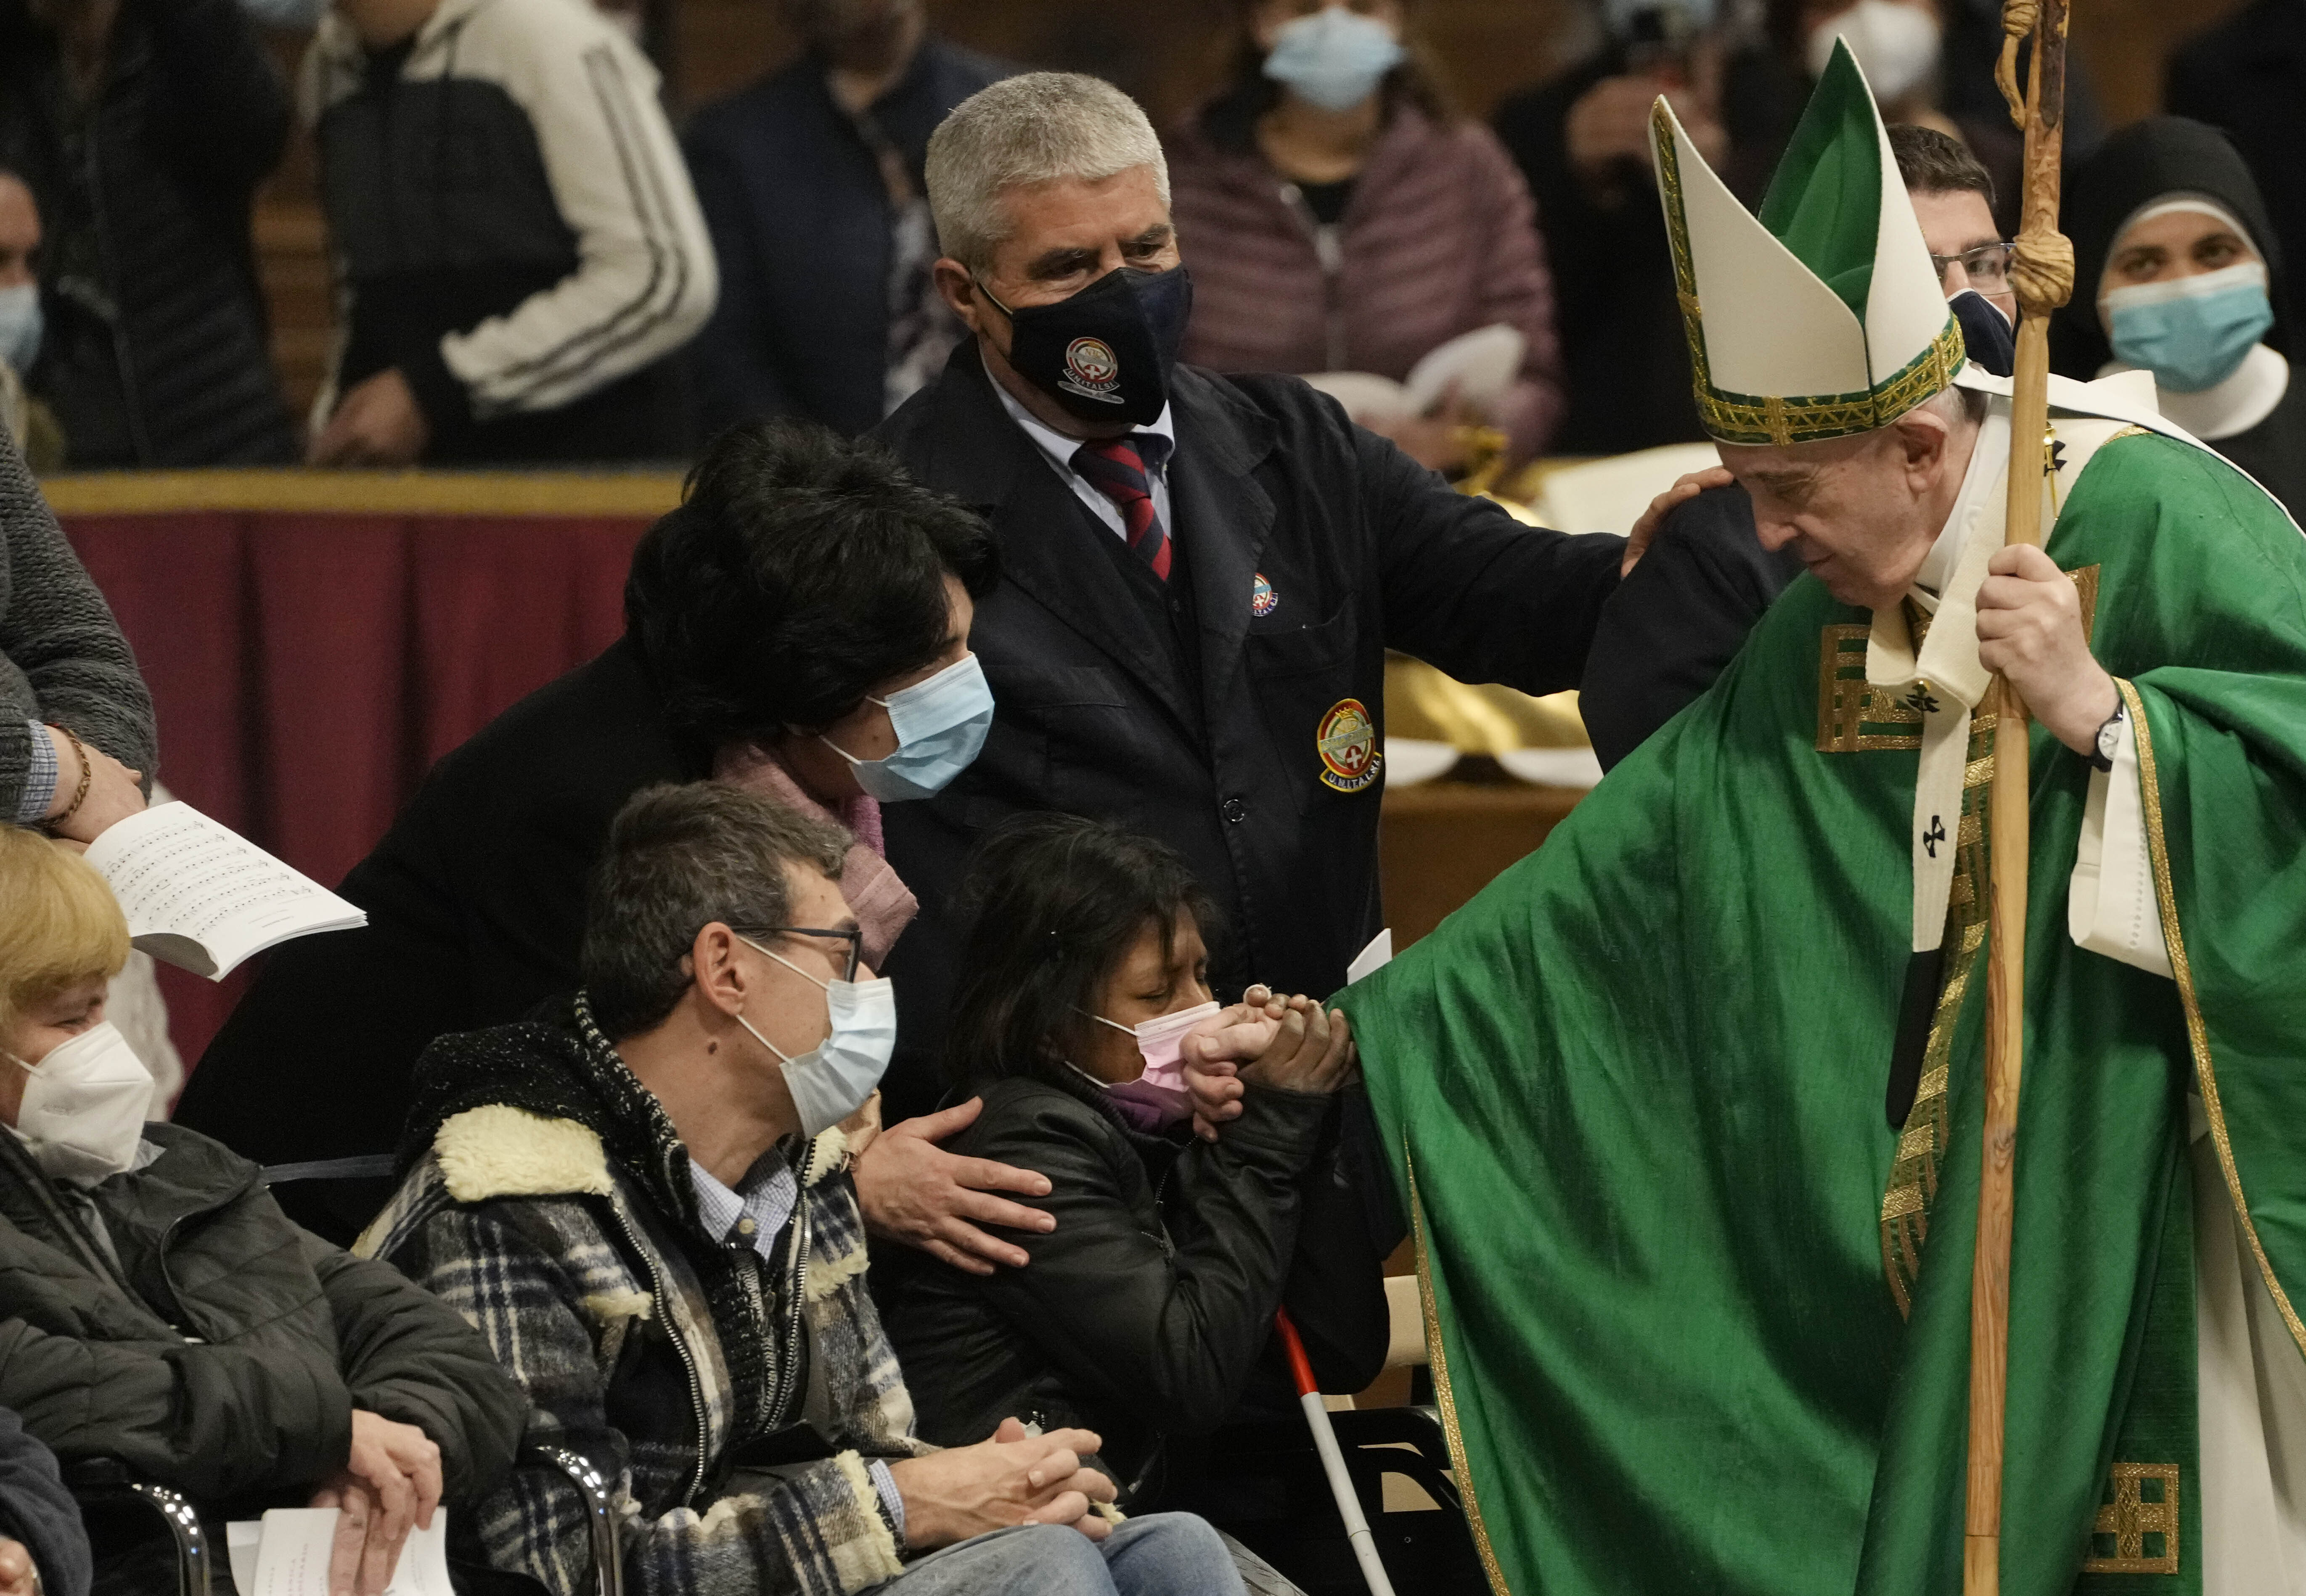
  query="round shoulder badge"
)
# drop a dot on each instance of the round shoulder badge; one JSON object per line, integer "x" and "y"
{"x": 1262, "y": 600}
{"x": 1347, "y": 742}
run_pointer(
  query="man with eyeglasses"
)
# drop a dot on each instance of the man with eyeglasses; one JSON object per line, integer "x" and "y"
{"x": 643, "y": 1199}
{"x": 1671, "y": 627}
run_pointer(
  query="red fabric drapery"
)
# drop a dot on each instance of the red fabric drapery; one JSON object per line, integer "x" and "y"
{"x": 314, "y": 641}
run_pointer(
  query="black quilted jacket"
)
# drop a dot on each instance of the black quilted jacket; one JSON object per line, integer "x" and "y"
{"x": 158, "y": 351}
{"x": 223, "y": 1350}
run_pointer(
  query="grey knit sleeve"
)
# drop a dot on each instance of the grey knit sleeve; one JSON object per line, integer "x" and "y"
{"x": 58, "y": 641}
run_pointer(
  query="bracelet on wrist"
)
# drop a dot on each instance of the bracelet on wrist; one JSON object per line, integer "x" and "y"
{"x": 87, "y": 774}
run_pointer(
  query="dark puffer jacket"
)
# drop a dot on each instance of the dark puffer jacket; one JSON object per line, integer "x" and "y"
{"x": 1148, "y": 1313}
{"x": 224, "y": 1353}
{"x": 158, "y": 351}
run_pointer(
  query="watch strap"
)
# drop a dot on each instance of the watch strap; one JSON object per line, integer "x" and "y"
{"x": 2098, "y": 758}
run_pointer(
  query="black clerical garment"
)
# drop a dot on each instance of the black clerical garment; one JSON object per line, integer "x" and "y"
{"x": 1233, "y": 712}
{"x": 475, "y": 902}
{"x": 1683, "y": 614}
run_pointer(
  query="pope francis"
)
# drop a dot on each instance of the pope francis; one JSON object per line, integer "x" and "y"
{"x": 1685, "y": 1106}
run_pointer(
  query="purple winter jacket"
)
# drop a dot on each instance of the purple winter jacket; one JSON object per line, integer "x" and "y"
{"x": 1438, "y": 237}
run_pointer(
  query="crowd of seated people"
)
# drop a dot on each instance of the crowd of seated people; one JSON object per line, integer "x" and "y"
{"x": 633, "y": 1226}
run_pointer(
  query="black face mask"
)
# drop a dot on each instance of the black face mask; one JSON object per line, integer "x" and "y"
{"x": 1987, "y": 337}
{"x": 1104, "y": 354}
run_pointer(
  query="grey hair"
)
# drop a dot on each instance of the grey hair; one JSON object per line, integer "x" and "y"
{"x": 1025, "y": 130}
{"x": 1956, "y": 406}
{"x": 677, "y": 859}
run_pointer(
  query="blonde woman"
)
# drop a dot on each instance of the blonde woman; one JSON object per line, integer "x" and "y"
{"x": 156, "y": 1307}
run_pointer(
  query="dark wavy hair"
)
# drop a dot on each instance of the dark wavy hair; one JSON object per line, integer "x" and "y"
{"x": 1052, "y": 903}
{"x": 801, "y": 569}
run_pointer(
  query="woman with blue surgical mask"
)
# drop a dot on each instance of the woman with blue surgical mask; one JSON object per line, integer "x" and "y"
{"x": 2170, "y": 232}
{"x": 797, "y": 627}
{"x": 1339, "y": 218}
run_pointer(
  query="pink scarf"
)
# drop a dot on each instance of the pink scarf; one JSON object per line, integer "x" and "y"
{"x": 881, "y": 901}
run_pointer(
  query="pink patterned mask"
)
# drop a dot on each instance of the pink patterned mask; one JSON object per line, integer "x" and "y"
{"x": 1158, "y": 1092}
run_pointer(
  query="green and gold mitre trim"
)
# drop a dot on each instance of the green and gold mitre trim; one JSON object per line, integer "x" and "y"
{"x": 1823, "y": 316}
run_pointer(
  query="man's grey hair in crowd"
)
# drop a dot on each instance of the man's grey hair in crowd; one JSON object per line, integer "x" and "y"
{"x": 679, "y": 858}
{"x": 1023, "y": 130}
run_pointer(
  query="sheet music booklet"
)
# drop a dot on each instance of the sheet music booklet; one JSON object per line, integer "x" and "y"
{"x": 203, "y": 898}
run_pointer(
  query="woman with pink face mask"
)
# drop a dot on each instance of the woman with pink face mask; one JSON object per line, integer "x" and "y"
{"x": 1146, "y": 1313}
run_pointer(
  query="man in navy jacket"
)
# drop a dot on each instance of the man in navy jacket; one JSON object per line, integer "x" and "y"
{"x": 811, "y": 185}
{"x": 1189, "y": 634}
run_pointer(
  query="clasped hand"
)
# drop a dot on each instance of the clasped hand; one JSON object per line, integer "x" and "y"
{"x": 391, "y": 1484}
{"x": 1015, "y": 1478}
{"x": 2029, "y": 629}
{"x": 1289, "y": 1043}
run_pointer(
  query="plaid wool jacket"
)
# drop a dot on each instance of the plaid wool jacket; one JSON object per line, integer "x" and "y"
{"x": 551, "y": 1204}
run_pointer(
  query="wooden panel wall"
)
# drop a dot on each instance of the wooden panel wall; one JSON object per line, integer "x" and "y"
{"x": 1168, "y": 53}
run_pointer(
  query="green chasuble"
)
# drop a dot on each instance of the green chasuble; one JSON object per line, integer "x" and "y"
{"x": 1699, "y": 1316}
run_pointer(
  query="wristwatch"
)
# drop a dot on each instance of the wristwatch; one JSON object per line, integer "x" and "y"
{"x": 2109, "y": 737}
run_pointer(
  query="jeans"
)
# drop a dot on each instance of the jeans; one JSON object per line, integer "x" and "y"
{"x": 1162, "y": 1554}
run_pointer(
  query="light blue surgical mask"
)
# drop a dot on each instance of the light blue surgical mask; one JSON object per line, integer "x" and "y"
{"x": 2192, "y": 332}
{"x": 940, "y": 725}
{"x": 1335, "y": 57}
{"x": 301, "y": 15}
{"x": 19, "y": 326}
{"x": 1675, "y": 20}
{"x": 831, "y": 1080}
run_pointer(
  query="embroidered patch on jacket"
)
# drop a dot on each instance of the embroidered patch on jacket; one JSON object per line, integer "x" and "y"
{"x": 2137, "y": 1527}
{"x": 1262, "y": 600}
{"x": 1348, "y": 744}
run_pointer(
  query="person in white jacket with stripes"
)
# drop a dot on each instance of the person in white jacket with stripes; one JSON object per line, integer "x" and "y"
{"x": 517, "y": 249}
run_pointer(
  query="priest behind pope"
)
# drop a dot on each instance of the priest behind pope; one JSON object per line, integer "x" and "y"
{"x": 1686, "y": 1107}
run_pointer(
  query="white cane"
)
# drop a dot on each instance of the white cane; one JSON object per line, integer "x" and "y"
{"x": 1333, "y": 1460}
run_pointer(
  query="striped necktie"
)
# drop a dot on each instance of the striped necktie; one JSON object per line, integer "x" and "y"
{"x": 1118, "y": 468}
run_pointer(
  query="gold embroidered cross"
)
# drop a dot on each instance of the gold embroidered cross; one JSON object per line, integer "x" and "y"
{"x": 2137, "y": 1527}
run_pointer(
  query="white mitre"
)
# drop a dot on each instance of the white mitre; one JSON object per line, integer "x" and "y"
{"x": 1823, "y": 316}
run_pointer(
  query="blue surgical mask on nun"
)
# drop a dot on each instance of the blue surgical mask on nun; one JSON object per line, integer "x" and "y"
{"x": 2190, "y": 332}
{"x": 1335, "y": 58}
{"x": 19, "y": 326}
{"x": 940, "y": 725}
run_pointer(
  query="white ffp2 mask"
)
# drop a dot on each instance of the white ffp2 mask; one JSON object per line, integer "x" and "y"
{"x": 84, "y": 1107}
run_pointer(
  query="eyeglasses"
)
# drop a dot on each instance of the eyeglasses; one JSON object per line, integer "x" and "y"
{"x": 1987, "y": 266}
{"x": 855, "y": 939}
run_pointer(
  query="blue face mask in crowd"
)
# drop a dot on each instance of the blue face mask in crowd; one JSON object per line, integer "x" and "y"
{"x": 1988, "y": 337}
{"x": 831, "y": 1080}
{"x": 2190, "y": 332}
{"x": 1334, "y": 58}
{"x": 300, "y": 15}
{"x": 1669, "y": 20}
{"x": 20, "y": 325}
{"x": 940, "y": 725}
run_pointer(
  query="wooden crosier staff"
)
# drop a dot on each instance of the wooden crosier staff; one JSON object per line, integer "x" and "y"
{"x": 2043, "y": 273}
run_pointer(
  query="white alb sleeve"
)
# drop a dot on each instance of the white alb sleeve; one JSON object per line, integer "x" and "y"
{"x": 2110, "y": 903}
